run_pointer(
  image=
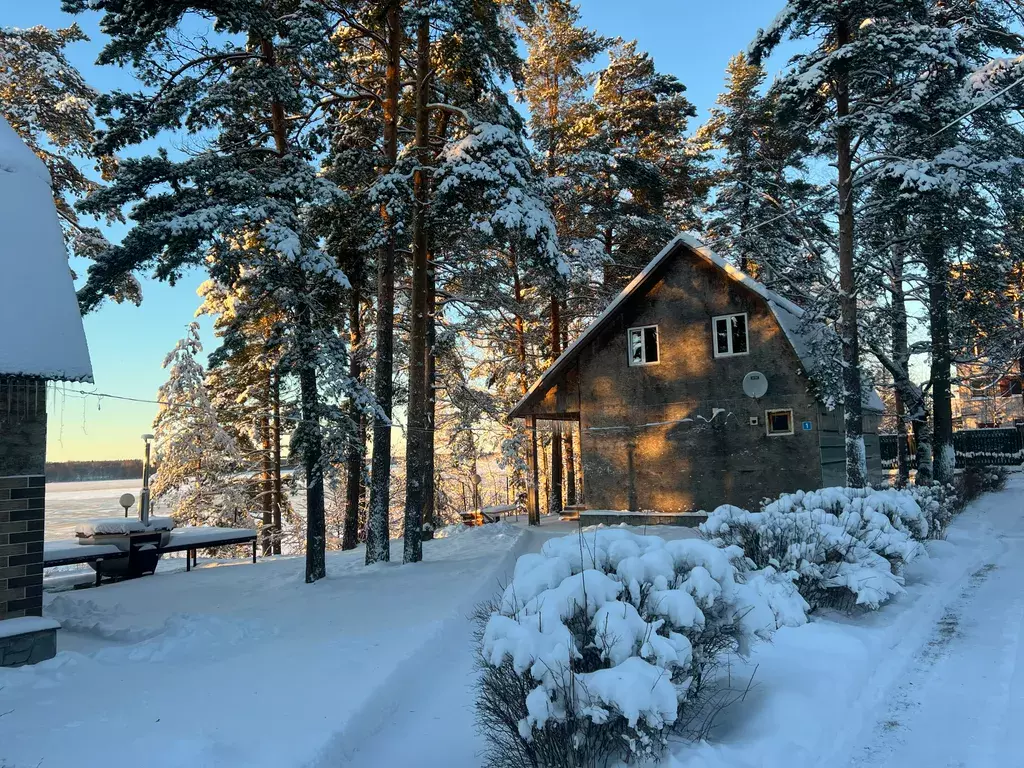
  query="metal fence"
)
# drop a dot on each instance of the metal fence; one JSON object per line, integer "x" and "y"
{"x": 974, "y": 447}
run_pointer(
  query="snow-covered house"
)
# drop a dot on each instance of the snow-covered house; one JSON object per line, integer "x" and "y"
{"x": 41, "y": 339}
{"x": 696, "y": 387}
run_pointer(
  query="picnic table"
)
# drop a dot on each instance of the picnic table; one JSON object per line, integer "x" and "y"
{"x": 187, "y": 540}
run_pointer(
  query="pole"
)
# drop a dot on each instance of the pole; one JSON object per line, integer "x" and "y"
{"x": 144, "y": 505}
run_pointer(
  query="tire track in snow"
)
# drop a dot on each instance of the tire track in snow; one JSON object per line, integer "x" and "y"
{"x": 407, "y": 712}
{"x": 951, "y": 706}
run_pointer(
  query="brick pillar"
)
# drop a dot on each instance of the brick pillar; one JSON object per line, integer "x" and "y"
{"x": 22, "y": 495}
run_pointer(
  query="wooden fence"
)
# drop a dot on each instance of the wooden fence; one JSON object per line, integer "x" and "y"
{"x": 974, "y": 447}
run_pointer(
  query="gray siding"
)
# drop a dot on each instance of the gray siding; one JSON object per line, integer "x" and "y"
{"x": 833, "y": 448}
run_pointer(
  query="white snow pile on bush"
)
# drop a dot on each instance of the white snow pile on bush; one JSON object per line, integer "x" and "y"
{"x": 938, "y": 503}
{"x": 602, "y": 638}
{"x": 846, "y": 546}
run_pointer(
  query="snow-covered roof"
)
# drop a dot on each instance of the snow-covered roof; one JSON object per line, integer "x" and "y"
{"x": 42, "y": 334}
{"x": 800, "y": 333}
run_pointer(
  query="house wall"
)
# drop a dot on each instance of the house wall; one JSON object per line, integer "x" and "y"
{"x": 832, "y": 436}
{"x": 22, "y": 500}
{"x": 631, "y": 460}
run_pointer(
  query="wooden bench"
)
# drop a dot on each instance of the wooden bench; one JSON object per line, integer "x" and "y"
{"x": 491, "y": 514}
{"x": 70, "y": 552}
{"x": 190, "y": 540}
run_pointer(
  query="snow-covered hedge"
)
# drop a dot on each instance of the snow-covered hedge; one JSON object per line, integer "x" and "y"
{"x": 938, "y": 503}
{"x": 846, "y": 546}
{"x": 602, "y": 640}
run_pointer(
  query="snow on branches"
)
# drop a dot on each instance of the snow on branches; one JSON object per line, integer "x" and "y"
{"x": 603, "y": 638}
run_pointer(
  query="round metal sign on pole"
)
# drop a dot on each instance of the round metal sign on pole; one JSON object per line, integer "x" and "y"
{"x": 755, "y": 384}
{"x": 126, "y": 501}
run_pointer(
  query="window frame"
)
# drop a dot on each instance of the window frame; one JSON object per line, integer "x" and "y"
{"x": 714, "y": 334}
{"x": 768, "y": 422}
{"x": 643, "y": 345}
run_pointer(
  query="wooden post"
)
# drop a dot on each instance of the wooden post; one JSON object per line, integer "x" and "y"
{"x": 532, "y": 480}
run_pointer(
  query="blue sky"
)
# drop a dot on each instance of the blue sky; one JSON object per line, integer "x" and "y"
{"x": 689, "y": 39}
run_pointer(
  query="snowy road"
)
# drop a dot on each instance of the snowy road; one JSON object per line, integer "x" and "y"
{"x": 960, "y": 704}
{"x": 426, "y": 717}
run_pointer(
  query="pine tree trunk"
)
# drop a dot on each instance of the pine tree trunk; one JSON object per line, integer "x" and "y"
{"x": 902, "y": 449}
{"x": 569, "y": 452}
{"x": 545, "y": 473}
{"x": 431, "y": 410}
{"x": 924, "y": 460}
{"x": 278, "y": 495}
{"x": 901, "y": 355}
{"x": 266, "y": 484}
{"x": 356, "y": 448}
{"x": 312, "y": 447}
{"x": 937, "y": 269}
{"x": 520, "y": 325}
{"x": 555, "y": 505}
{"x": 316, "y": 523}
{"x": 378, "y": 522}
{"x": 415, "y": 451}
{"x": 856, "y": 461}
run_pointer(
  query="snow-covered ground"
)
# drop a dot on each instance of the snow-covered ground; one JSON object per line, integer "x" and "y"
{"x": 936, "y": 677}
{"x": 245, "y": 665}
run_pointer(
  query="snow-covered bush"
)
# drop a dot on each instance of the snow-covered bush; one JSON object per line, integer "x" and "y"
{"x": 847, "y": 546}
{"x": 594, "y": 652}
{"x": 939, "y": 503}
{"x": 978, "y": 480}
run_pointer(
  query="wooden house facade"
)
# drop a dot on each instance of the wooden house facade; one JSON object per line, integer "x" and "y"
{"x": 666, "y": 387}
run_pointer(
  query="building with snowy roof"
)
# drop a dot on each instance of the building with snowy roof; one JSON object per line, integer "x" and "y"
{"x": 41, "y": 340}
{"x": 696, "y": 387}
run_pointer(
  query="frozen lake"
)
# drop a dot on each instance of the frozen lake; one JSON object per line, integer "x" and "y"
{"x": 68, "y": 504}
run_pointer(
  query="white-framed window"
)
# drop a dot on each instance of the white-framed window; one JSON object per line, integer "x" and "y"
{"x": 779, "y": 422}
{"x": 730, "y": 335}
{"x": 643, "y": 345}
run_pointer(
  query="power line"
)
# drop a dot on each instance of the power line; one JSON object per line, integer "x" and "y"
{"x": 81, "y": 393}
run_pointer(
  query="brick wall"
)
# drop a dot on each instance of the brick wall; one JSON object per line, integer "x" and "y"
{"x": 22, "y": 496}
{"x": 22, "y": 507}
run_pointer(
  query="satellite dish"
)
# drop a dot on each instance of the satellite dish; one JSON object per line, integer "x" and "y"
{"x": 755, "y": 384}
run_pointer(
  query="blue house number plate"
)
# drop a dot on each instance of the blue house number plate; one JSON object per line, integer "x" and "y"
{"x": 807, "y": 426}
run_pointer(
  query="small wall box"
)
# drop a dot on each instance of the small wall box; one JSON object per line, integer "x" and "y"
{"x": 753, "y": 421}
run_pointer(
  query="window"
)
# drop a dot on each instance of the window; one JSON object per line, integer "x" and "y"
{"x": 980, "y": 389}
{"x": 731, "y": 335}
{"x": 1010, "y": 386}
{"x": 643, "y": 345}
{"x": 779, "y": 422}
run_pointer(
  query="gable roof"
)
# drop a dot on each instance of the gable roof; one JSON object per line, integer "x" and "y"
{"x": 802, "y": 335}
{"x": 42, "y": 334}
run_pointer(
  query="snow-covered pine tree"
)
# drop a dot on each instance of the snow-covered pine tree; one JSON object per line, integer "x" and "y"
{"x": 389, "y": 38}
{"x": 765, "y": 212}
{"x": 839, "y": 93}
{"x": 48, "y": 103}
{"x": 237, "y": 204}
{"x": 243, "y": 382}
{"x": 196, "y": 458}
{"x": 556, "y": 88}
{"x": 948, "y": 150}
{"x": 641, "y": 179}
{"x": 465, "y": 128}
